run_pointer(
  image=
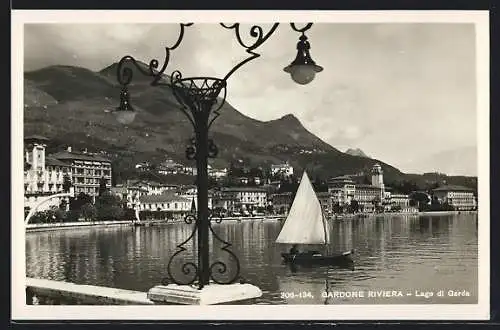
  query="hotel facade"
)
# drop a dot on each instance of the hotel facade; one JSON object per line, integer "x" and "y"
{"x": 44, "y": 174}
{"x": 87, "y": 170}
{"x": 343, "y": 190}
{"x": 458, "y": 197}
{"x": 236, "y": 199}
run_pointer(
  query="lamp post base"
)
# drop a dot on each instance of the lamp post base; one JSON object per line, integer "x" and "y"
{"x": 210, "y": 294}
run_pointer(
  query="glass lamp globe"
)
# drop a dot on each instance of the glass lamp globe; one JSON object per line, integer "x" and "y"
{"x": 124, "y": 117}
{"x": 124, "y": 114}
{"x": 302, "y": 74}
{"x": 303, "y": 69}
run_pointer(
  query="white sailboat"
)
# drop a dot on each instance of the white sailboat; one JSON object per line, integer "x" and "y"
{"x": 137, "y": 221}
{"x": 307, "y": 225}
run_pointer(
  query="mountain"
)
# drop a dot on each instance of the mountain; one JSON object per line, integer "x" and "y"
{"x": 35, "y": 97}
{"x": 74, "y": 110}
{"x": 356, "y": 152}
{"x": 459, "y": 161}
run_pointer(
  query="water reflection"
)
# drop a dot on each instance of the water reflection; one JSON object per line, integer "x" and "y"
{"x": 391, "y": 253}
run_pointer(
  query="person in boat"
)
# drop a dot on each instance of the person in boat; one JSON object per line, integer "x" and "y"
{"x": 294, "y": 250}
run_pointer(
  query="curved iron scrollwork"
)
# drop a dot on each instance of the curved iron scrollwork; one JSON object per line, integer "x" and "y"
{"x": 125, "y": 73}
{"x": 189, "y": 269}
{"x": 191, "y": 149}
{"x": 200, "y": 99}
{"x": 219, "y": 267}
{"x": 217, "y": 218}
{"x": 197, "y": 94}
{"x": 257, "y": 33}
{"x": 303, "y": 30}
{"x": 213, "y": 151}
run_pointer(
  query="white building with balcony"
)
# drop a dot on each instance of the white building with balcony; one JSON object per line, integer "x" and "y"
{"x": 87, "y": 170}
{"x": 43, "y": 175}
{"x": 458, "y": 197}
{"x": 284, "y": 169}
{"x": 341, "y": 189}
{"x": 240, "y": 199}
{"x": 168, "y": 201}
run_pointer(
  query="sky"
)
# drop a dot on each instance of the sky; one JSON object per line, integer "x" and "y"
{"x": 399, "y": 91}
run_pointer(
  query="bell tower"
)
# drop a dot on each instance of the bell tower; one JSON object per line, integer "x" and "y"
{"x": 34, "y": 147}
{"x": 378, "y": 177}
{"x": 35, "y": 152}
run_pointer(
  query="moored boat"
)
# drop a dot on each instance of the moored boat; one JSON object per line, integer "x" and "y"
{"x": 317, "y": 258}
{"x": 306, "y": 224}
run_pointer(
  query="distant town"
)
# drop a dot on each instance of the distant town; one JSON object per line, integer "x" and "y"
{"x": 237, "y": 191}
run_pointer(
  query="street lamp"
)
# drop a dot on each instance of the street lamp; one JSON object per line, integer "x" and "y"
{"x": 303, "y": 69}
{"x": 199, "y": 101}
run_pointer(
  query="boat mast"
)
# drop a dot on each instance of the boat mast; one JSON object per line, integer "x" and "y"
{"x": 325, "y": 250}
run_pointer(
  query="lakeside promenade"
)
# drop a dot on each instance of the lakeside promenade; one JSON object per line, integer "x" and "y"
{"x": 85, "y": 224}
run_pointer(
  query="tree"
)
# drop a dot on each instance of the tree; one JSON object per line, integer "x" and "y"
{"x": 419, "y": 199}
{"x": 435, "y": 204}
{"x": 320, "y": 185}
{"x": 396, "y": 208}
{"x": 102, "y": 186}
{"x": 89, "y": 212}
{"x": 66, "y": 183}
{"x": 212, "y": 182}
{"x": 433, "y": 186}
{"x": 75, "y": 204}
{"x": 448, "y": 207}
{"x": 63, "y": 204}
{"x": 256, "y": 172}
{"x": 108, "y": 207}
{"x": 337, "y": 208}
{"x": 354, "y": 206}
{"x": 261, "y": 209}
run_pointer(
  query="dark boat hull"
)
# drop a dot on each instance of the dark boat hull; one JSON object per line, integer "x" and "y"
{"x": 313, "y": 258}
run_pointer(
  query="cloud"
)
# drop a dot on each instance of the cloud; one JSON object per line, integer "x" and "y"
{"x": 393, "y": 90}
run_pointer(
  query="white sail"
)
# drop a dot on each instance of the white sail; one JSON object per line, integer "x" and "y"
{"x": 305, "y": 223}
{"x": 137, "y": 213}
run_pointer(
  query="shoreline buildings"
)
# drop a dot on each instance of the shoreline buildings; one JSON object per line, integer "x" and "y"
{"x": 458, "y": 197}
{"x": 240, "y": 199}
{"x": 343, "y": 191}
{"x": 44, "y": 174}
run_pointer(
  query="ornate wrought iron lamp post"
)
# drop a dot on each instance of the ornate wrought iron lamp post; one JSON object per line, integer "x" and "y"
{"x": 199, "y": 101}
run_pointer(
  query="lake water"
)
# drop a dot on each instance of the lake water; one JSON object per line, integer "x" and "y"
{"x": 398, "y": 259}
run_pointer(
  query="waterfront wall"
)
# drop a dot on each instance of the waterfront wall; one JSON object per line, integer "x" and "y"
{"x": 83, "y": 224}
{"x": 80, "y": 224}
{"x": 446, "y": 212}
{"x": 48, "y": 292}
